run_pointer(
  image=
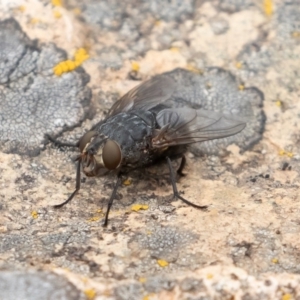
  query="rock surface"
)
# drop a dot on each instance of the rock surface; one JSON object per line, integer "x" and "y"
{"x": 245, "y": 246}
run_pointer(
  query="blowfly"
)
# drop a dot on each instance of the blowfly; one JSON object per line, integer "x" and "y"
{"x": 144, "y": 127}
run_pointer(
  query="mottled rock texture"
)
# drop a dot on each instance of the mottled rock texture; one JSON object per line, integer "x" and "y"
{"x": 235, "y": 55}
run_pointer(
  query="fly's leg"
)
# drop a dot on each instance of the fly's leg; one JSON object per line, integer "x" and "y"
{"x": 175, "y": 191}
{"x": 112, "y": 197}
{"x": 77, "y": 188}
{"x": 59, "y": 143}
{"x": 181, "y": 167}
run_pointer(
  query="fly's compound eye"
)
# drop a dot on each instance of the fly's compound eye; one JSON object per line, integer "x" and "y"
{"x": 111, "y": 155}
{"x": 86, "y": 139}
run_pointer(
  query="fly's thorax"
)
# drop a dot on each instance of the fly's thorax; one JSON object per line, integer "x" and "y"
{"x": 99, "y": 155}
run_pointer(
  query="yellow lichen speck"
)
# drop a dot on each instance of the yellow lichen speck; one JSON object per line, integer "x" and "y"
{"x": 238, "y": 65}
{"x": 287, "y": 297}
{"x": 174, "y": 49}
{"x": 34, "y": 214}
{"x": 127, "y": 182}
{"x": 241, "y": 87}
{"x": 142, "y": 279}
{"x": 194, "y": 69}
{"x": 57, "y": 14}
{"x": 56, "y": 2}
{"x": 94, "y": 219}
{"x": 286, "y": 153}
{"x": 22, "y": 8}
{"x": 268, "y": 7}
{"x": 157, "y": 23}
{"x": 135, "y": 66}
{"x": 209, "y": 276}
{"x": 90, "y": 294}
{"x": 35, "y": 21}
{"x": 81, "y": 55}
{"x": 275, "y": 260}
{"x": 296, "y": 34}
{"x": 69, "y": 65}
{"x": 162, "y": 263}
{"x": 149, "y": 296}
{"x": 138, "y": 207}
{"x": 77, "y": 11}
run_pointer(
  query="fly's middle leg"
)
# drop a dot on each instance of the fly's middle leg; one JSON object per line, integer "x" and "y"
{"x": 175, "y": 191}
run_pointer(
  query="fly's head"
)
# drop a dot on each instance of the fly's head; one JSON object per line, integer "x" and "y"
{"x": 99, "y": 155}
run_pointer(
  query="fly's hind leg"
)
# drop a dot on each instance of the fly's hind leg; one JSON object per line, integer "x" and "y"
{"x": 181, "y": 167}
{"x": 175, "y": 191}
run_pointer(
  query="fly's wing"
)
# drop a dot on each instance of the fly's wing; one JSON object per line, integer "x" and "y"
{"x": 186, "y": 125}
{"x": 145, "y": 96}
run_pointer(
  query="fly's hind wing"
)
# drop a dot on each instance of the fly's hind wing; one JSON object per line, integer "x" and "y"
{"x": 145, "y": 96}
{"x": 185, "y": 125}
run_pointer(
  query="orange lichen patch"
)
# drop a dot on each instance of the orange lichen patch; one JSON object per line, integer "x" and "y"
{"x": 90, "y": 294}
{"x": 135, "y": 66}
{"x": 138, "y": 207}
{"x": 57, "y": 2}
{"x": 268, "y": 7}
{"x": 162, "y": 263}
{"x": 34, "y": 214}
{"x": 69, "y": 65}
{"x": 275, "y": 260}
{"x": 57, "y": 14}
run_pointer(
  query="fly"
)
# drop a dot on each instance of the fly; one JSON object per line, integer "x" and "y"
{"x": 143, "y": 127}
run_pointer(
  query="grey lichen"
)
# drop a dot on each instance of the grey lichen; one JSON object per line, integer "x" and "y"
{"x": 164, "y": 242}
{"x": 34, "y": 101}
{"x": 34, "y": 285}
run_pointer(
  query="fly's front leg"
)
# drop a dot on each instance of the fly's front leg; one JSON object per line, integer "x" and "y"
{"x": 77, "y": 188}
{"x": 175, "y": 191}
{"x": 112, "y": 197}
{"x": 59, "y": 143}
